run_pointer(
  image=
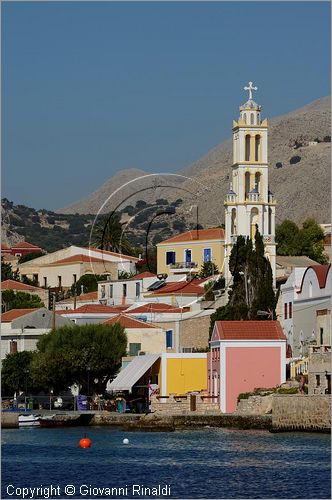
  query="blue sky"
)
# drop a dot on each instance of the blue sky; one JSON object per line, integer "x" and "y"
{"x": 91, "y": 88}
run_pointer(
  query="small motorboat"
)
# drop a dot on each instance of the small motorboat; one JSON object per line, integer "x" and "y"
{"x": 29, "y": 420}
{"x": 66, "y": 420}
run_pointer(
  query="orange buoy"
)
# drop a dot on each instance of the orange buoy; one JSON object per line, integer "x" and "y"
{"x": 85, "y": 442}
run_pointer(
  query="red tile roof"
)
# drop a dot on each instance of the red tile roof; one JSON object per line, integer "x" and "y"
{"x": 145, "y": 274}
{"x": 154, "y": 307}
{"x": 82, "y": 298}
{"x": 128, "y": 322}
{"x": 181, "y": 288}
{"x": 250, "y": 330}
{"x": 77, "y": 259}
{"x": 87, "y": 296}
{"x": 321, "y": 273}
{"x": 97, "y": 309}
{"x": 17, "y": 285}
{"x": 215, "y": 233}
{"x": 9, "y": 316}
{"x": 107, "y": 252}
{"x": 25, "y": 244}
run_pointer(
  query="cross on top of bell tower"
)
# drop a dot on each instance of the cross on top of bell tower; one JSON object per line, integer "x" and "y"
{"x": 250, "y": 88}
{"x": 250, "y": 104}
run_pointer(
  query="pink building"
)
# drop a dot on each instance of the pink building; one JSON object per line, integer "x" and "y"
{"x": 245, "y": 355}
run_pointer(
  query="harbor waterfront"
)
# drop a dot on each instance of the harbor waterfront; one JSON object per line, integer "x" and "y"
{"x": 201, "y": 463}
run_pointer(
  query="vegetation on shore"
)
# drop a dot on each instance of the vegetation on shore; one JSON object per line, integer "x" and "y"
{"x": 87, "y": 355}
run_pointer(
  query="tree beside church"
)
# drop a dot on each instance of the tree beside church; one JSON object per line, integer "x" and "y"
{"x": 251, "y": 292}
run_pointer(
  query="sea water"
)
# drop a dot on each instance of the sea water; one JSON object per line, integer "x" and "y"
{"x": 205, "y": 463}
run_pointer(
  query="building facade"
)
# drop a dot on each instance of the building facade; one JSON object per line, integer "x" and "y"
{"x": 305, "y": 293}
{"x": 62, "y": 268}
{"x": 249, "y": 202}
{"x": 245, "y": 355}
{"x": 128, "y": 291}
{"x": 186, "y": 253}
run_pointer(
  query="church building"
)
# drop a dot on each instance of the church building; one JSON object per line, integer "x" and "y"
{"x": 249, "y": 200}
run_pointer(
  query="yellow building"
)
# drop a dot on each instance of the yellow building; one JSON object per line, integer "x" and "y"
{"x": 185, "y": 253}
{"x": 172, "y": 373}
{"x": 182, "y": 373}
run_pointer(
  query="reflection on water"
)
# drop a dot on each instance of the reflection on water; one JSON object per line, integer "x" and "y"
{"x": 207, "y": 463}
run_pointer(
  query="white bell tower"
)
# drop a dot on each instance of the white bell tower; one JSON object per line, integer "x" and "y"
{"x": 249, "y": 201}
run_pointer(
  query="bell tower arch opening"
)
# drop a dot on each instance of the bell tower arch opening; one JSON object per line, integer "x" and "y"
{"x": 253, "y": 222}
{"x": 246, "y": 185}
{"x": 247, "y": 148}
{"x": 258, "y": 181}
{"x": 257, "y": 147}
{"x": 233, "y": 221}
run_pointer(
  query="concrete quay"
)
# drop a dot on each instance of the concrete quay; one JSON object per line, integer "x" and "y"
{"x": 156, "y": 422}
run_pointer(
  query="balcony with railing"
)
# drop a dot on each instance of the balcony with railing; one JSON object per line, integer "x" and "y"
{"x": 319, "y": 349}
{"x": 184, "y": 266}
{"x": 253, "y": 196}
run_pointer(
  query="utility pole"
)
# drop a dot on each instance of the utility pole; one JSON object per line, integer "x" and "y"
{"x": 53, "y": 313}
{"x": 74, "y": 291}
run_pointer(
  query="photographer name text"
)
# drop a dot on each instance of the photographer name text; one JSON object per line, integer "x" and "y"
{"x": 87, "y": 490}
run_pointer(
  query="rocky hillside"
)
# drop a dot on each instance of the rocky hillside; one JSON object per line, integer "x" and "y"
{"x": 302, "y": 189}
{"x": 47, "y": 229}
{"x": 52, "y": 231}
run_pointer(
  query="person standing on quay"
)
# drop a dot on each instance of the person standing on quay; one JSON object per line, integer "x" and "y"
{"x": 302, "y": 383}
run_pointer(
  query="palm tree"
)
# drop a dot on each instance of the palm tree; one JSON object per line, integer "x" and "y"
{"x": 108, "y": 234}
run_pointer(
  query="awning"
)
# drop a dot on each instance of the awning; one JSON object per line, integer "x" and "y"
{"x": 132, "y": 372}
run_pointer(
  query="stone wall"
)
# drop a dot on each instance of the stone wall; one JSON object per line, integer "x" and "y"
{"x": 319, "y": 368}
{"x": 255, "y": 405}
{"x": 159, "y": 422}
{"x": 301, "y": 412}
{"x": 194, "y": 332}
{"x": 175, "y": 405}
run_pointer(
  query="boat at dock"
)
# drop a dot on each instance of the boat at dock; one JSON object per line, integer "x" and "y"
{"x": 29, "y": 420}
{"x": 65, "y": 420}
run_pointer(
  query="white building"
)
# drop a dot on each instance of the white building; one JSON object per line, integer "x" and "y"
{"x": 128, "y": 291}
{"x": 249, "y": 201}
{"x": 306, "y": 292}
{"x": 63, "y": 267}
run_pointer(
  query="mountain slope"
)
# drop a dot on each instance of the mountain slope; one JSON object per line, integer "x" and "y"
{"x": 301, "y": 190}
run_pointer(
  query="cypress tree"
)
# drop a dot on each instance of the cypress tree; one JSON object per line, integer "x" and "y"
{"x": 252, "y": 287}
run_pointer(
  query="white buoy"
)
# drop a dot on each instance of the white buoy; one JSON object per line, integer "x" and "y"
{"x": 125, "y": 441}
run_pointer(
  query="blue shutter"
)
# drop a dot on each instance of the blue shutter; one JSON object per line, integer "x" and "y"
{"x": 169, "y": 338}
{"x": 207, "y": 254}
{"x": 170, "y": 257}
{"x": 188, "y": 256}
